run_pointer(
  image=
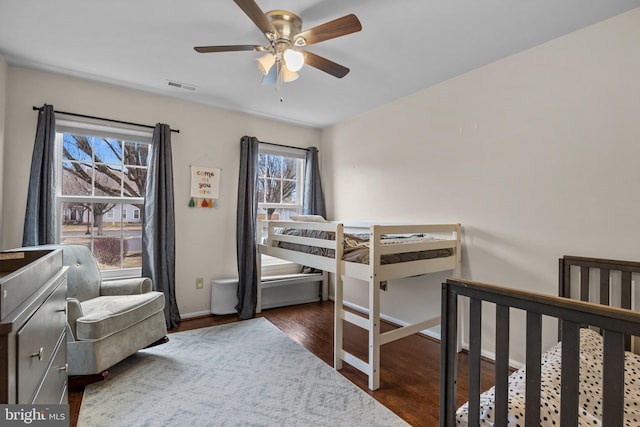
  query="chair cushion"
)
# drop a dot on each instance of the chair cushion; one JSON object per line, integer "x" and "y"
{"x": 106, "y": 315}
{"x": 83, "y": 276}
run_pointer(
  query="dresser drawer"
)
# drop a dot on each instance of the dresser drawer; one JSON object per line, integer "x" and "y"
{"x": 54, "y": 386}
{"x": 36, "y": 342}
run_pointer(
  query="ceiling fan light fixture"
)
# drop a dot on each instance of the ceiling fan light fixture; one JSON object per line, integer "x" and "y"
{"x": 288, "y": 75}
{"x": 294, "y": 60}
{"x": 265, "y": 63}
{"x": 271, "y": 77}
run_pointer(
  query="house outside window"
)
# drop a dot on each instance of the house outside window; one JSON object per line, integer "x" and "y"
{"x": 101, "y": 173}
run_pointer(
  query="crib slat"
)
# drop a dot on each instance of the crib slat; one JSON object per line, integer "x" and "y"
{"x": 533, "y": 358}
{"x": 604, "y": 286}
{"x": 625, "y": 301}
{"x": 584, "y": 283}
{"x": 570, "y": 374}
{"x": 475, "y": 341}
{"x": 613, "y": 379}
{"x": 502, "y": 365}
{"x": 564, "y": 279}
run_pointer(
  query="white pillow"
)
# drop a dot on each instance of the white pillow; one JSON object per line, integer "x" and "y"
{"x": 308, "y": 218}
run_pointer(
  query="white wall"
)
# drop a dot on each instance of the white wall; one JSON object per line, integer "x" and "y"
{"x": 3, "y": 91}
{"x": 205, "y": 238}
{"x": 535, "y": 155}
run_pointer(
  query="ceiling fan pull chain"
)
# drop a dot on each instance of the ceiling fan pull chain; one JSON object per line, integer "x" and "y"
{"x": 278, "y": 74}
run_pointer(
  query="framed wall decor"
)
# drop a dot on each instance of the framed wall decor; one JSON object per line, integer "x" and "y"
{"x": 205, "y": 186}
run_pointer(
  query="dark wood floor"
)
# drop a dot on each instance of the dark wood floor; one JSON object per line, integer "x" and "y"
{"x": 410, "y": 367}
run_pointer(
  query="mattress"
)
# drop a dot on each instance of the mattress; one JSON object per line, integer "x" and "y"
{"x": 589, "y": 413}
{"x": 356, "y": 249}
{"x": 356, "y": 246}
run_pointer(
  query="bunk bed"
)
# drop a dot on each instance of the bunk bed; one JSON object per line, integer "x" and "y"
{"x": 593, "y": 372}
{"x": 374, "y": 253}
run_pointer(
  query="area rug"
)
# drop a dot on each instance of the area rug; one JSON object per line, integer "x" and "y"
{"x": 246, "y": 373}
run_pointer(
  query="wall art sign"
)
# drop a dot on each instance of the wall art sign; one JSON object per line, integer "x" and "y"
{"x": 205, "y": 186}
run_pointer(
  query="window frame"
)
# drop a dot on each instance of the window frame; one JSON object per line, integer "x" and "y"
{"x": 101, "y": 131}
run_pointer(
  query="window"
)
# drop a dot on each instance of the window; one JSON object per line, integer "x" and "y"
{"x": 280, "y": 182}
{"x": 280, "y": 193}
{"x": 101, "y": 176}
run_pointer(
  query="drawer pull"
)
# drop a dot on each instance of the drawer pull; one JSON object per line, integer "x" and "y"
{"x": 38, "y": 354}
{"x": 63, "y": 368}
{"x": 62, "y": 310}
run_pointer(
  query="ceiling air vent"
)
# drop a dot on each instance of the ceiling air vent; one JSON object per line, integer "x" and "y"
{"x": 184, "y": 86}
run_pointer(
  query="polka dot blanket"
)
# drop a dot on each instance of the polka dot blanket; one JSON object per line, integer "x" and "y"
{"x": 590, "y": 411}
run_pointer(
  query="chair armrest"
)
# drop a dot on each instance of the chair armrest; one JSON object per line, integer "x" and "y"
{"x": 134, "y": 286}
{"x": 74, "y": 312}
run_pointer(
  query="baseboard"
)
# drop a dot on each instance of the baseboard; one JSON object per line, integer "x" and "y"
{"x": 195, "y": 314}
{"x": 427, "y": 332}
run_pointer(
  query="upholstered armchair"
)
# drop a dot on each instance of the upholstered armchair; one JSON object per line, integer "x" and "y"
{"x": 107, "y": 321}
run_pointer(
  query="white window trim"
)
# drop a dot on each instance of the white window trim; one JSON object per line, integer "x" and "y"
{"x": 124, "y": 273}
{"x": 266, "y": 148}
{"x": 70, "y": 126}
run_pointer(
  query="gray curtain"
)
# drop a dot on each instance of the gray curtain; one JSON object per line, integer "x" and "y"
{"x": 39, "y": 218}
{"x": 158, "y": 225}
{"x": 246, "y": 228}
{"x": 313, "y": 203}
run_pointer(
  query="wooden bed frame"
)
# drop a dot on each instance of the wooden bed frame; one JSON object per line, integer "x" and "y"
{"x": 374, "y": 273}
{"x": 616, "y": 325}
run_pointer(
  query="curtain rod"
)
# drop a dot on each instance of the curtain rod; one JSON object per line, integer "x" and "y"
{"x": 103, "y": 119}
{"x": 284, "y": 146}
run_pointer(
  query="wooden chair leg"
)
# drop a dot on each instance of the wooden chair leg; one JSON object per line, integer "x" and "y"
{"x": 79, "y": 381}
{"x": 163, "y": 340}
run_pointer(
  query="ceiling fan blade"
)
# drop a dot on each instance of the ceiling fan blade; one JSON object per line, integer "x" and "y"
{"x": 253, "y": 11}
{"x": 323, "y": 64}
{"x": 229, "y": 48}
{"x": 329, "y": 30}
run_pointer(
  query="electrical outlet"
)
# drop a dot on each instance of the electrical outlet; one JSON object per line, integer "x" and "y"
{"x": 199, "y": 282}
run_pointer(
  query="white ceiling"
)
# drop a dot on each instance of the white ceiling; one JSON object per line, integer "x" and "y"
{"x": 404, "y": 46}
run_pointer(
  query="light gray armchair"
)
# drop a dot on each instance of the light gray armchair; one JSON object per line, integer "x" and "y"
{"x": 107, "y": 321}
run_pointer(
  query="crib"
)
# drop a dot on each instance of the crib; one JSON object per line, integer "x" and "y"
{"x": 526, "y": 394}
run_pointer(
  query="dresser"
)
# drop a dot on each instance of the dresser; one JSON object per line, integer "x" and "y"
{"x": 33, "y": 356}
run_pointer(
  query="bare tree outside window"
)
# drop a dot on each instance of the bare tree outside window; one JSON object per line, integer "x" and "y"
{"x": 102, "y": 167}
{"x": 277, "y": 181}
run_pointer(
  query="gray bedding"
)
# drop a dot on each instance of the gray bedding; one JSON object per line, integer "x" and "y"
{"x": 356, "y": 247}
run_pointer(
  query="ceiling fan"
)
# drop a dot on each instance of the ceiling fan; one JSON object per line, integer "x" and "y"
{"x": 283, "y": 30}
